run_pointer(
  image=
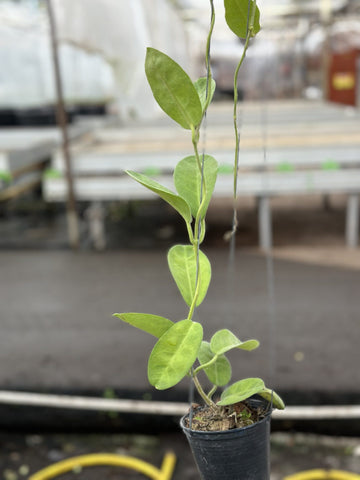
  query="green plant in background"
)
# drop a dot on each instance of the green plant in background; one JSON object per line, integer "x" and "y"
{"x": 180, "y": 349}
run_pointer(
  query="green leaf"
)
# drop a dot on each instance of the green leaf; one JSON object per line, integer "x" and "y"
{"x": 183, "y": 265}
{"x": 249, "y": 345}
{"x": 173, "y": 89}
{"x": 151, "y": 171}
{"x": 174, "y": 354}
{"x": 239, "y": 391}
{"x": 330, "y": 165}
{"x": 178, "y": 203}
{"x": 201, "y": 86}
{"x": 236, "y": 15}
{"x": 273, "y": 397}
{"x": 153, "y": 324}
{"x": 51, "y": 173}
{"x": 219, "y": 372}
{"x": 187, "y": 179}
{"x": 285, "y": 167}
{"x": 226, "y": 169}
{"x": 224, "y": 340}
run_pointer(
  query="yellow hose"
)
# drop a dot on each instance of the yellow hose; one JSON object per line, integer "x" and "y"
{"x": 323, "y": 475}
{"x": 97, "y": 459}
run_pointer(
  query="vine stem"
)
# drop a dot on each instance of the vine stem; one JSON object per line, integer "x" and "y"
{"x": 205, "y": 365}
{"x": 212, "y": 391}
{"x": 202, "y": 394}
{"x": 207, "y": 56}
{"x": 193, "y": 303}
{"x": 249, "y": 34}
{"x": 236, "y": 128}
{"x": 190, "y": 233}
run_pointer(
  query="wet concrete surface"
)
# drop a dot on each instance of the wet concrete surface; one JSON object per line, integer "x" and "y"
{"x": 23, "y": 455}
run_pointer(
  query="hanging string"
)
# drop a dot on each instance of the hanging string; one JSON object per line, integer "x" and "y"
{"x": 270, "y": 280}
{"x": 231, "y": 235}
{"x": 237, "y": 124}
{"x": 269, "y": 259}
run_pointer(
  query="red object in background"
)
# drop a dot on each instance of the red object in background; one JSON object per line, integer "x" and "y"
{"x": 344, "y": 77}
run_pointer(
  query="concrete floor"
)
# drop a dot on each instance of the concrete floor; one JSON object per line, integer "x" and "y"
{"x": 57, "y": 329}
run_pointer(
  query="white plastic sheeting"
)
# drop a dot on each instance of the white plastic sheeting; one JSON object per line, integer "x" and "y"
{"x": 120, "y": 30}
{"x": 102, "y": 51}
{"x": 26, "y": 76}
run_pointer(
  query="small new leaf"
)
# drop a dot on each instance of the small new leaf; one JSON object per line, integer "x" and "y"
{"x": 241, "y": 390}
{"x": 238, "y": 16}
{"x": 173, "y": 89}
{"x": 188, "y": 178}
{"x": 219, "y": 372}
{"x": 205, "y": 90}
{"x": 153, "y": 324}
{"x": 224, "y": 340}
{"x": 174, "y": 354}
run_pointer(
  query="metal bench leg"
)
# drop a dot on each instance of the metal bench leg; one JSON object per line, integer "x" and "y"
{"x": 352, "y": 221}
{"x": 95, "y": 215}
{"x": 265, "y": 230}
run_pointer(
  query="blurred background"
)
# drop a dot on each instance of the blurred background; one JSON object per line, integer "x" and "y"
{"x": 79, "y": 241}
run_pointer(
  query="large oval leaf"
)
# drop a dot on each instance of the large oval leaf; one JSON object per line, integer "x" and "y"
{"x": 174, "y": 354}
{"x": 223, "y": 340}
{"x": 219, "y": 372}
{"x": 236, "y": 15}
{"x": 183, "y": 267}
{"x": 173, "y": 89}
{"x": 153, "y": 324}
{"x": 187, "y": 179}
{"x": 178, "y": 203}
{"x": 239, "y": 391}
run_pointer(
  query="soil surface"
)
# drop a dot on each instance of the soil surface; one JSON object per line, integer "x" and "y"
{"x": 212, "y": 419}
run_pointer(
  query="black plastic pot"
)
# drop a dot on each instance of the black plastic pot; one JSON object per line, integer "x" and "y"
{"x": 238, "y": 454}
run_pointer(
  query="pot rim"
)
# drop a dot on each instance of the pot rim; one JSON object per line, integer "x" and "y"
{"x": 267, "y": 417}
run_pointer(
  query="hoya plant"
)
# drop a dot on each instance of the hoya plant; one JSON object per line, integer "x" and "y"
{"x": 180, "y": 349}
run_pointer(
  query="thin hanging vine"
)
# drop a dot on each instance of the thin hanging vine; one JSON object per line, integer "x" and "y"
{"x": 180, "y": 350}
